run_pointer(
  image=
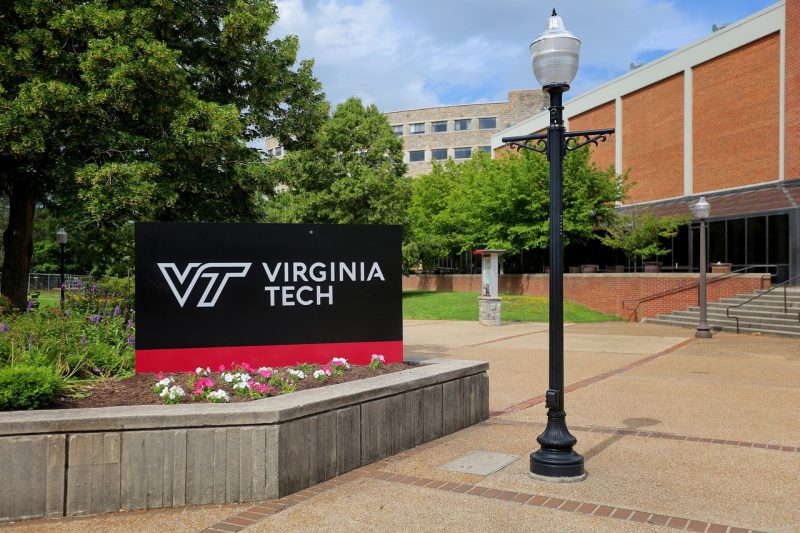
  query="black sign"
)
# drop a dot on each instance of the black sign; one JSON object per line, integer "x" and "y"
{"x": 266, "y": 294}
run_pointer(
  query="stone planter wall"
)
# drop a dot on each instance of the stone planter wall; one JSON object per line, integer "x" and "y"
{"x": 82, "y": 461}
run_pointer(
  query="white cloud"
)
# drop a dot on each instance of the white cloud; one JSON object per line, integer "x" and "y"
{"x": 421, "y": 53}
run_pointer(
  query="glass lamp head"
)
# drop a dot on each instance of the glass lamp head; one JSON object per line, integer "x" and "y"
{"x": 702, "y": 209}
{"x": 61, "y": 236}
{"x": 555, "y": 54}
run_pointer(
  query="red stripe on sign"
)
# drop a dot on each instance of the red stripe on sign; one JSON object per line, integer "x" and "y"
{"x": 188, "y": 359}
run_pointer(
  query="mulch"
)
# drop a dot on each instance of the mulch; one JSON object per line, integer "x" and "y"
{"x": 138, "y": 389}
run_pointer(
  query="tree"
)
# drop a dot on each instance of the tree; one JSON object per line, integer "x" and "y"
{"x": 637, "y": 233}
{"x": 353, "y": 174}
{"x": 123, "y": 110}
{"x": 503, "y": 203}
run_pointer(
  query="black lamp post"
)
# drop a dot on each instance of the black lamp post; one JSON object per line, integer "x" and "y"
{"x": 701, "y": 210}
{"x": 61, "y": 237}
{"x": 554, "y": 56}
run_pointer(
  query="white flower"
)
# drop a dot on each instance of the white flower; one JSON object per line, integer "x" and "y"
{"x": 319, "y": 374}
{"x": 228, "y": 377}
{"x": 244, "y": 378}
{"x": 175, "y": 392}
{"x": 264, "y": 369}
{"x": 219, "y": 395}
{"x": 240, "y": 385}
{"x": 299, "y": 374}
{"x": 164, "y": 392}
{"x": 340, "y": 361}
{"x": 166, "y": 382}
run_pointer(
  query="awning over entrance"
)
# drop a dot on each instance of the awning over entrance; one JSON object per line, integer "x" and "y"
{"x": 759, "y": 199}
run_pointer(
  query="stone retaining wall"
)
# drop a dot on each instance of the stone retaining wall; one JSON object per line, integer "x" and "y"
{"x": 83, "y": 461}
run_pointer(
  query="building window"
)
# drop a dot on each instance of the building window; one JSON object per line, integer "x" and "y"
{"x": 416, "y": 155}
{"x": 463, "y": 153}
{"x": 398, "y": 130}
{"x": 416, "y": 128}
{"x": 278, "y": 151}
{"x": 462, "y": 124}
{"x": 439, "y": 154}
{"x": 487, "y": 149}
{"x": 488, "y": 123}
{"x": 439, "y": 127}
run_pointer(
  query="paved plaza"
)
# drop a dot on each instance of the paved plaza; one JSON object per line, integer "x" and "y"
{"x": 678, "y": 434}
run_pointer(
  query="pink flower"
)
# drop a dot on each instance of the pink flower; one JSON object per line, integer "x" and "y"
{"x": 251, "y": 384}
{"x": 160, "y": 376}
{"x": 266, "y": 374}
{"x": 222, "y": 368}
{"x": 247, "y": 367}
{"x": 326, "y": 369}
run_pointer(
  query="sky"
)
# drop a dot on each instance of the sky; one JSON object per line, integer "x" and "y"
{"x": 407, "y": 54}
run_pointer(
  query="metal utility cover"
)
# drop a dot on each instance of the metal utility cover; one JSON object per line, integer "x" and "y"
{"x": 480, "y": 463}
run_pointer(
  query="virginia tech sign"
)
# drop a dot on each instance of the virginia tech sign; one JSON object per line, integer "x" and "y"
{"x": 266, "y": 294}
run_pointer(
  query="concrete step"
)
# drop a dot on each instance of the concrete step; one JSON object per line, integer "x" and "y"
{"x": 747, "y": 312}
{"x": 670, "y": 321}
{"x": 771, "y": 297}
{"x": 764, "y": 323}
{"x": 743, "y": 302}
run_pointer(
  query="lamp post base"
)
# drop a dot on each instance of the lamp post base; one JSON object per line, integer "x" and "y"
{"x": 557, "y": 465}
{"x": 703, "y": 333}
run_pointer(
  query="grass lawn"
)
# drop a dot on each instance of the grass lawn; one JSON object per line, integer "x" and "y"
{"x": 427, "y": 305}
{"x": 49, "y": 299}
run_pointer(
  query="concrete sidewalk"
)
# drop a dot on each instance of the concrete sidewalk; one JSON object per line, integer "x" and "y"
{"x": 678, "y": 433}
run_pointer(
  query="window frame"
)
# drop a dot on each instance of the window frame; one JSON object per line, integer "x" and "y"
{"x": 438, "y": 122}
{"x": 411, "y": 128}
{"x": 467, "y": 121}
{"x": 455, "y": 152}
{"x": 487, "y": 118}
{"x": 410, "y": 157}
{"x": 394, "y": 129}
{"x": 435, "y": 150}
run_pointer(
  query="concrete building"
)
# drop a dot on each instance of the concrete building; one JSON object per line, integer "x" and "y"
{"x": 719, "y": 118}
{"x": 439, "y": 133}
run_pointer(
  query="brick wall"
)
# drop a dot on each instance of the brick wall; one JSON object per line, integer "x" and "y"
{"x": 652, "y": 140}
{"x": 735, "y": 117}
{"x": 606, "y": 293}
{"x": 792, "y": 96}
{"x": 600, "y": 117}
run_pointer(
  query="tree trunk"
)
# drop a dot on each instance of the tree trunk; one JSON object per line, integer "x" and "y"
{"x": 18, "y": 243}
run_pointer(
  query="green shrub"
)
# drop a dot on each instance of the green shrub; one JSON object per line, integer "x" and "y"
{"x": 27, "y": 387}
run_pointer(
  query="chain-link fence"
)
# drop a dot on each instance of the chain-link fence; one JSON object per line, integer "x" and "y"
{"x": 46, "y": 282}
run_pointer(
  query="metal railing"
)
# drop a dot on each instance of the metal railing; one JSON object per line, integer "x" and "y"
{"x": 716, "y": 279}
{"x": 783, "y": 284}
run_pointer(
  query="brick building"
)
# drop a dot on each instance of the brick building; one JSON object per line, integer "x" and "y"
{"x": 439, "y": 133}
{"x": 719, "y": 118}
{"x": 455, "y": 132}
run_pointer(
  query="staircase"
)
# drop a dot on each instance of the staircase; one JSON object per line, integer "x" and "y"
{"x": 762, "y": 314}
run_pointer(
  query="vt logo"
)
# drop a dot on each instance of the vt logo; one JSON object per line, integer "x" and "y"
{"x": 210, "y": 271}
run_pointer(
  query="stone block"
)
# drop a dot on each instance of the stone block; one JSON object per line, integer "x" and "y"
{"x": 375, "y": 430}
{"x": 294, "y": 440}
{"x": 200, "y": 462}
{"x": 348, "y": 439}
{"x": 93, "y": 479}
{"x": 452, "y": 406}
{"x": 432, "y": 427}
{"x": 32, "y": 473}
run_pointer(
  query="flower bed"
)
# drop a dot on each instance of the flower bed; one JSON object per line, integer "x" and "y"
{"x": 80, "y": 461}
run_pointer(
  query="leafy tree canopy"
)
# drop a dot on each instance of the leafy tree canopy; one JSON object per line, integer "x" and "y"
{"x": 638, "y": 233}
{"x": 503, "y": 203}
{"x": 123, "y": 110}
{"x": 353, "y": 173}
